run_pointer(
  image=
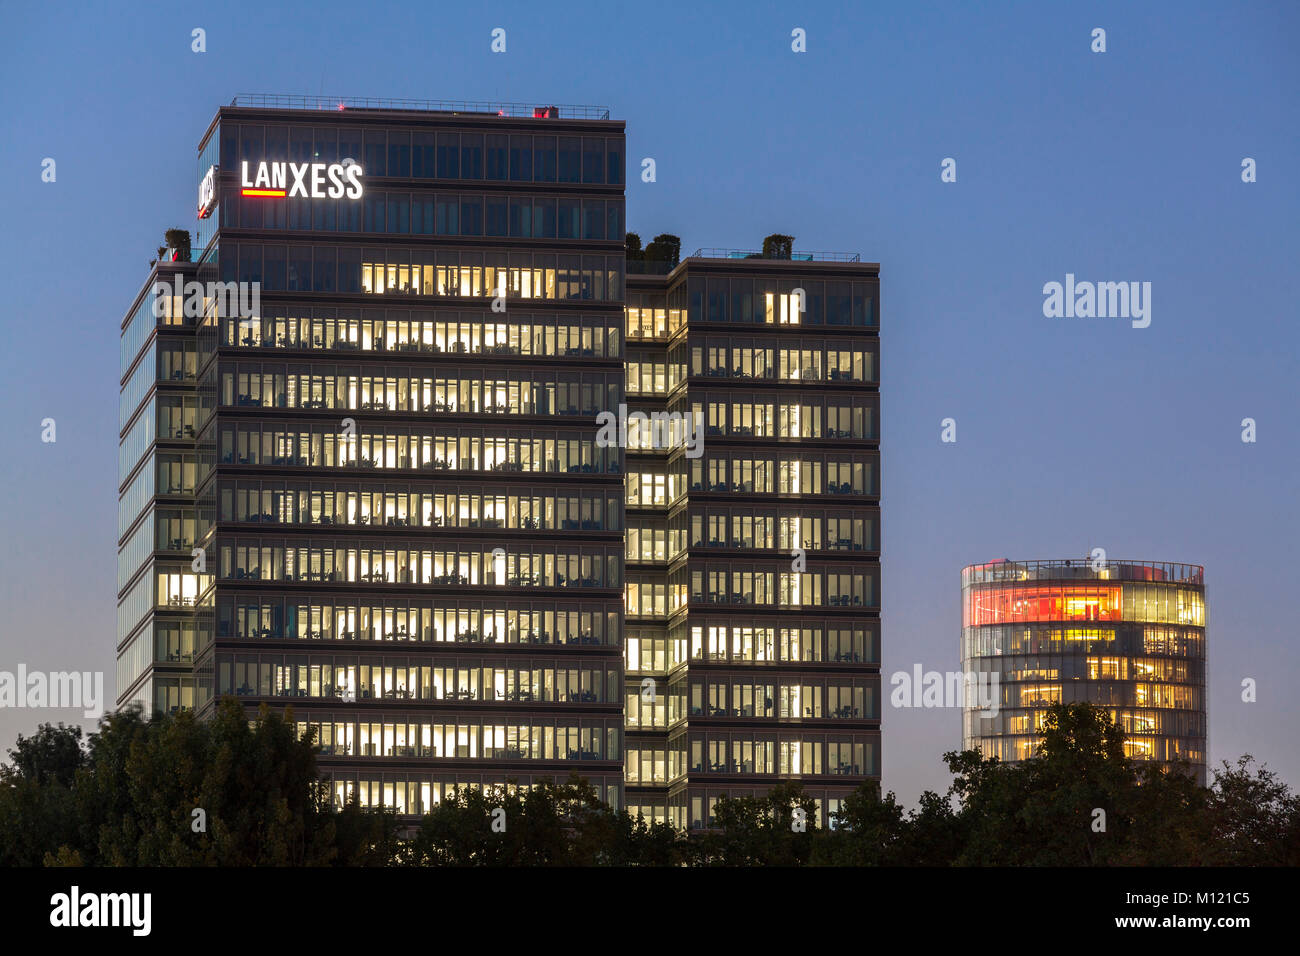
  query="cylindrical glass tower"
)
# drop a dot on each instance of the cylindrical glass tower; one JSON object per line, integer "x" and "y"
{"x": 1127, "y": 636}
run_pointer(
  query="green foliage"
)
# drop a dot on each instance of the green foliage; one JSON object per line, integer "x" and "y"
{"x": 778, "y": 246}
{"x": 127, "y": 796}
{"x": 664, "y": 248}
{"x": 178, "y": 239}
{"x": 549, "y": 824}
{"x": 1254, "y": 818}
{"x": 760, "y": 831}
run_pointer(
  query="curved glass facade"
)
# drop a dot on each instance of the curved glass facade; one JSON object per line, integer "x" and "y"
{"x": 1127, "y": 636}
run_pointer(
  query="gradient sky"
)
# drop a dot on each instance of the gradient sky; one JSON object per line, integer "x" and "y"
{"x": 1072, "y": 433}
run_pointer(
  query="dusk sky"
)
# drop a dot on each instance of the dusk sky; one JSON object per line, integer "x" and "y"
{"x": 1072, "y": 433}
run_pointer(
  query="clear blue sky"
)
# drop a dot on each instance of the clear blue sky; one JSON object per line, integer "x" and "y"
{"x": 1072, "y": 433}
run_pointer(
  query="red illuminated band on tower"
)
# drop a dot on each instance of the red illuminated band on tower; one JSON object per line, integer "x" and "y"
{"x": 1012, "y": 605}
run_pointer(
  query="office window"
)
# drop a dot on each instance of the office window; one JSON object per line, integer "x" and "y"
{"x": 544, "y": 169}
{"x": 299, "y": 278}
{"x": 471, "y": 215}
{"x": 497, "y": 156}
{"x": 376, "y": 153}
{"x": 521, "y": 158}
{"x": 277, "y": 142}
{"x": 325, "y": 145}
{"x": 593, "y": 160}
{"x": 399, "y": 153}
{"x": 323, "y": 274}
{"x": 570, "y": 159}
{"x": 448, "y": 155}
{"x": 423, "y": 162}
{"x": 495, "y": 216}
{"x": 471, "y": 155}
{"x": 568, "y": 221}
{"x": 614, "y": 153}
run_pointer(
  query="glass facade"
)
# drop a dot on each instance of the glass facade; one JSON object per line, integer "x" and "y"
{"x": 409, "y": 533}
{"x": 377, "y": 493}
{"x": 753, "y": 563}
{"x": 1126, "y": 636}
{"x": 157, "y": 520}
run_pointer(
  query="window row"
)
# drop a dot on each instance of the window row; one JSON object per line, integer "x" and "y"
{"x": 402, "y": 330}
{"x": 760, "y": 754}
{"x": 431, "y": 154}
{"x": 492, "y": 275}
{"x": 1136, "y": 748}
{"x": 486, "y": 738}
{"x": 650, "y": 376}
{"x": 812, "y": 530}
{"x": 393, "y": 447}
{"x": 992, "y": 641}
{"x": 652, "y": 323}
{"x": 812, "y": 698}
{"x": 428, "y": 214}
{"x": 261, "y": 560}
{"x": 815, "y": 361}
{"x": 776, "y": 301}
{"x": 741, "y": 643}
{"x": 1101, "y": 694}
{"x": 1159, "y": 603}
{"x": 418, "y": 793}
{"x": 1133, "y": 721}
{"x": 753, "y": 585}
{"x": 1090, "y": 666}
{"x": 532, "y": 509}
{"x": 351, "y": 679}
{"x": 793, "y": 416}
{"x": 443, "y": 390}
{"x": 453, "y": 620}
{"x": 751, "y": 472}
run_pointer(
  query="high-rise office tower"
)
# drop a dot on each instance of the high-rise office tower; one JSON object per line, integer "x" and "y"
{"x": 753, "y": 612}
{"x": 1125, "y": 636}
{"x": 388, "y": 465}
{"x": 376, "y": 491}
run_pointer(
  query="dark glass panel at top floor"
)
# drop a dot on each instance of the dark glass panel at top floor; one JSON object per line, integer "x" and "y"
{"x": 428, "y": 154}
{"x": 442, "y": 213}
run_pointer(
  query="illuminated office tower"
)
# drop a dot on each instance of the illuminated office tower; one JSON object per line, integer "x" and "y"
{"x": 157, "y": 522}
{"x": 377, "y": 491}
{"x": 410, "y": 533}
{"x": 753, "y": 582}
{"x": 1126, "y": 636}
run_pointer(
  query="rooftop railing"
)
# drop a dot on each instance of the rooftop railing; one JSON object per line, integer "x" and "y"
{"x": 1065, "y": 568}
{"x": 712, "y": 253}
{"x": 294, "y": 101}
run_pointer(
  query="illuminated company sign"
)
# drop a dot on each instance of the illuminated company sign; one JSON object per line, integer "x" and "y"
{"x": 308, "y": 180}
{"x": 208, "y": 193}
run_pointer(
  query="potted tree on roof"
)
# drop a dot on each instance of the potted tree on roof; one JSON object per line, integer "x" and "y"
{"x": 664, "y": 248}
{"x": 778, "y": 246}
{"x": 178, "y": 240}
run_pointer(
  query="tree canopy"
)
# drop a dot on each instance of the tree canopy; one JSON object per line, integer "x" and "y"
{"x": 176, "y": 791}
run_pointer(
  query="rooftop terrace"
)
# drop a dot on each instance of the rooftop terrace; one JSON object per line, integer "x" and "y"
{"x": 715, "y": 253}
{"x": 1059, "y": 569}
{"x": 294, "y": 101}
